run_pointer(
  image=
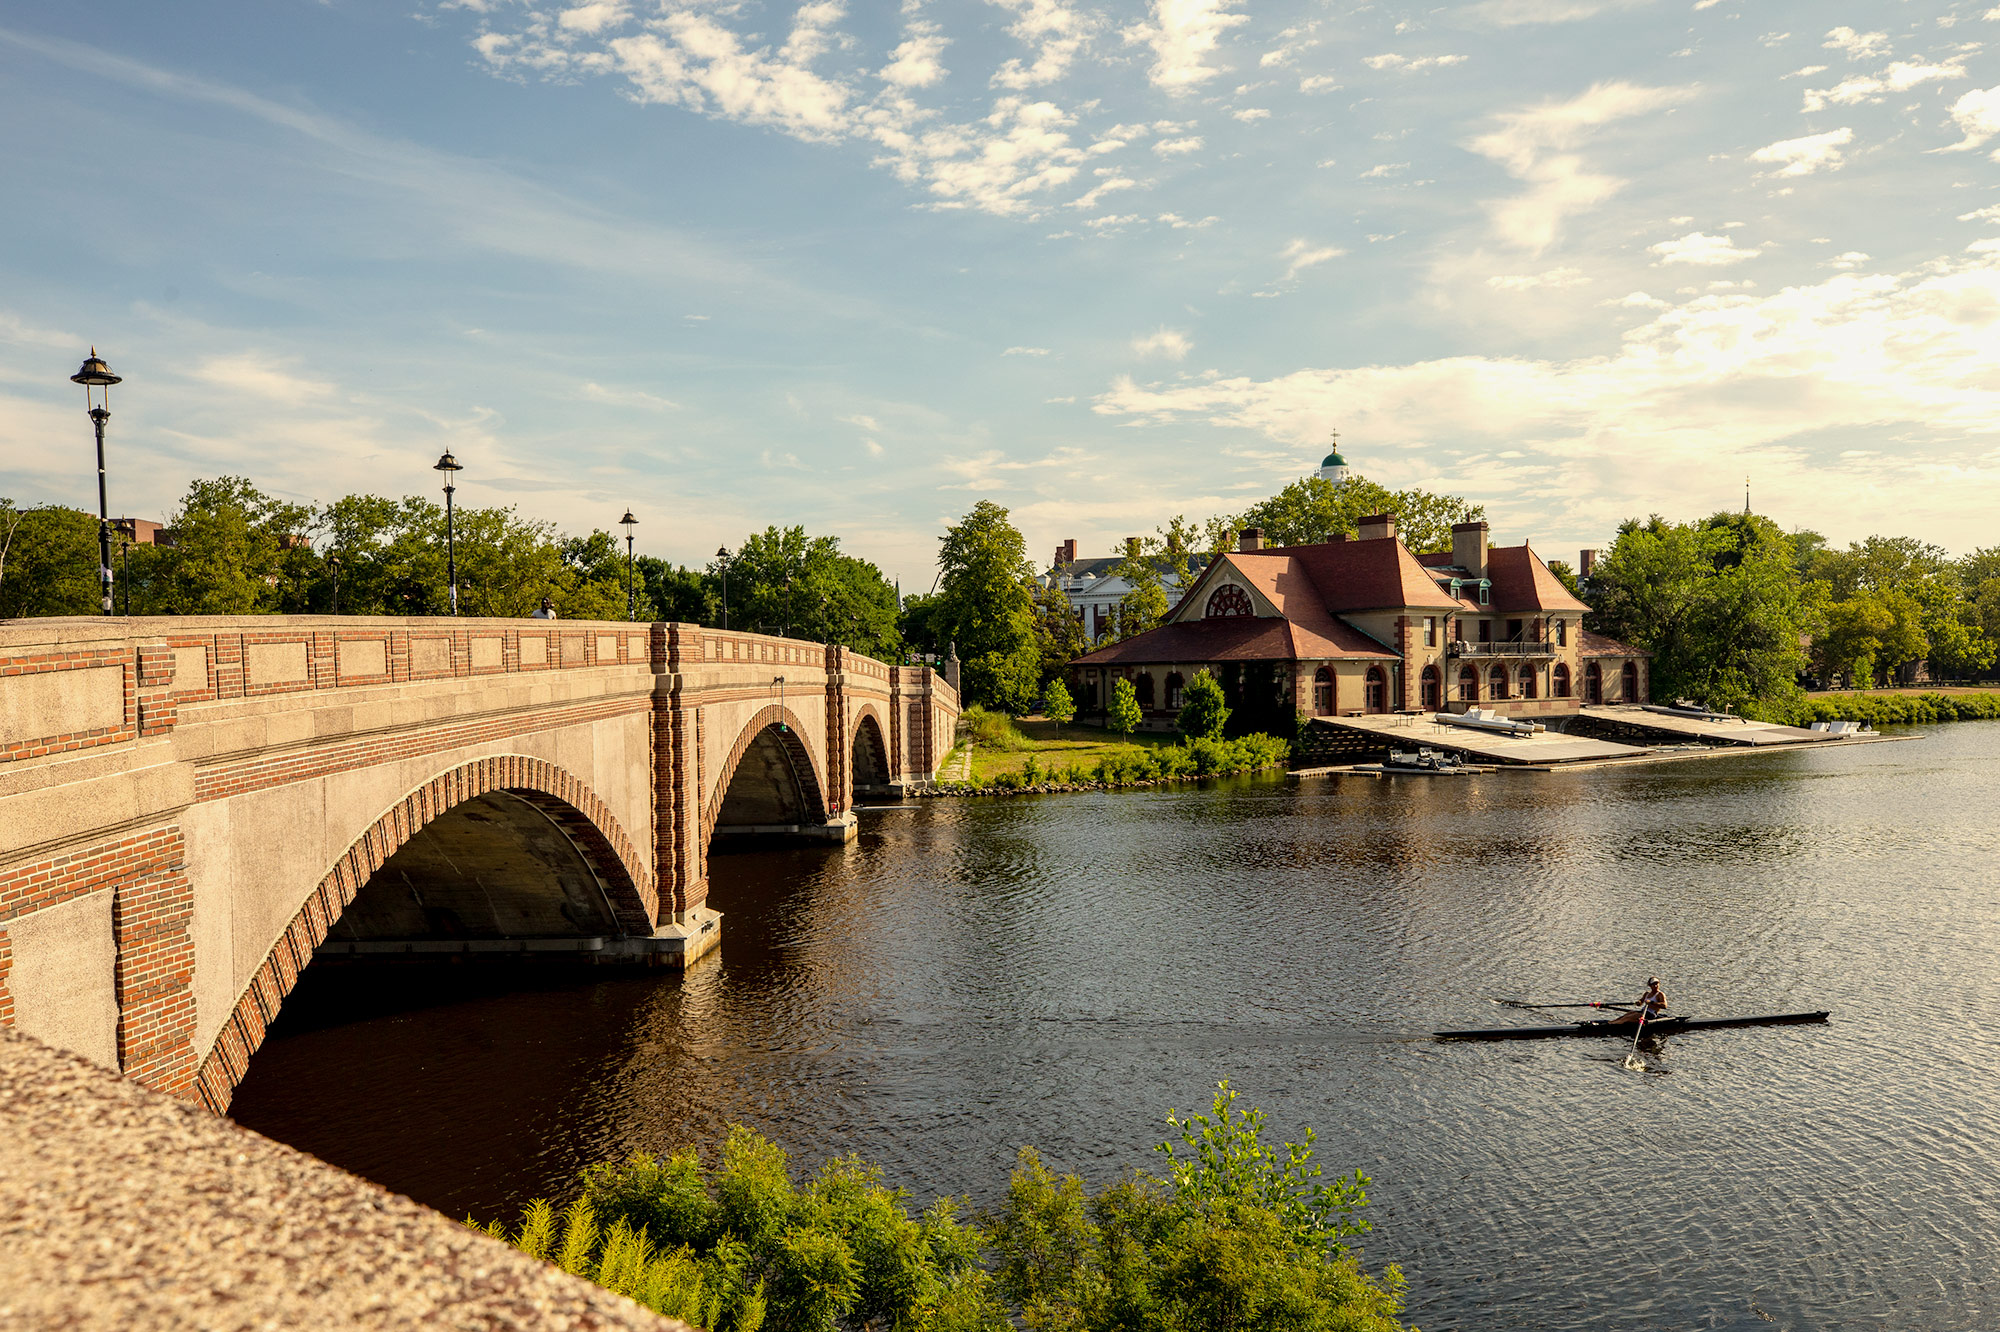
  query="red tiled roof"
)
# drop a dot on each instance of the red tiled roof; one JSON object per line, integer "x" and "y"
{"x": 1349, "y": 576}
{"x": 1522, "y": 582}
{"x": 1593, "y": 644}
{"x": 1234, "y": 638}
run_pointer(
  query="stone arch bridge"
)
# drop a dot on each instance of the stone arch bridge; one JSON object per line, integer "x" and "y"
{"x": 192, "y": 809}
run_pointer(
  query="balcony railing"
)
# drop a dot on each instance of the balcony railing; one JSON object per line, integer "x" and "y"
{"x": 1526, "y": 647}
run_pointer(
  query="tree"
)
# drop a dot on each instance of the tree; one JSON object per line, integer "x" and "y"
{"x": 1059, "y": 635}
{"x": 1567, "y": 577}
{"x": 48, "y": 562}
{"x": 1125, "y": 716}
{"x": 1145, "y": 604}
{"x": 1203, "y": 712}
{"x": 1313, "y": 509}
{"x": 1057, "y": 705}
{"x": 986, "y": 607}
{"x": 1718, "y": 603}
{"x": 681, "y": 593}
{"x": 236, "y": 551}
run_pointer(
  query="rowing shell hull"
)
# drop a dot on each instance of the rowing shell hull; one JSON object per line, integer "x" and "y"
{"x": 1625, "y": 1030}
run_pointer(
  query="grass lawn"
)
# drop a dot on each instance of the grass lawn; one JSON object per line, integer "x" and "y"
{"x": 1054, "y": 744}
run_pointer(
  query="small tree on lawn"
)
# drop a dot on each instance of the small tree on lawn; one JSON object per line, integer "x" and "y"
{"x": 1203, "y": 714}
{"x": 1057, "y": 705}
{"x": 1125, "y": 715}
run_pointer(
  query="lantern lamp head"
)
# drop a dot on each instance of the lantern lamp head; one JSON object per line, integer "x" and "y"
{"x": 97, "y": 379}
{"x": 628, "y": 522}
{"x": 447, "y": 464}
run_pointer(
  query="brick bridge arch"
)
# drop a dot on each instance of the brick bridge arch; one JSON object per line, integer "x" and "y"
{"x": 807, "y": 775}
{"x": 585, "y": 820}
{"x": 870, "y": 730}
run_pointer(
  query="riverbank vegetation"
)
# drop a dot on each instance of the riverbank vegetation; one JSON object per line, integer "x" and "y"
{"x": 1038, "y": 753}
{"x": 1237, "y": 1234}
{"x": 1911, "y": 709}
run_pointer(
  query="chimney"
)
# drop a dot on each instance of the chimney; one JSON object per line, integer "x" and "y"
{"x": 1586, "y": 563}
{"x": 1132, "y": 545}
{"x": 1066, "y": 552}
{"x": 1468, "y": 547}
{"x": 1377, "y": 526}
{"x": 1252, "y": 539}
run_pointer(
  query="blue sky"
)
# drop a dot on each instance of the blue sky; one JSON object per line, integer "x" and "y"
{"x": 859, "y": 267}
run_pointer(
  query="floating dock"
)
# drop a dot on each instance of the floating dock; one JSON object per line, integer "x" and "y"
{"x": 1646, "y": 726}
{"x": 1539, "y": 750}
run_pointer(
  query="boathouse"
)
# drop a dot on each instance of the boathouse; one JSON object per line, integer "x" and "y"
{"x": 1354, "y": 627}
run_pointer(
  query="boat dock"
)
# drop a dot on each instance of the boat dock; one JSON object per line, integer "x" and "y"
{"x": 1595, "y": 735}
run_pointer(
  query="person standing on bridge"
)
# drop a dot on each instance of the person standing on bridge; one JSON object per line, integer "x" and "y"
{"x": 545, "y": 611}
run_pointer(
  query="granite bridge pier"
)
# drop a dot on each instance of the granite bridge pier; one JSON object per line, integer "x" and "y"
{"x": 192, "y": 810}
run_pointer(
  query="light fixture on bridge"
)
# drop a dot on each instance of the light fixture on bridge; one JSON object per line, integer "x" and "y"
{"x": 722, "y": 558}
{"x": 628, "y": 522}
{"x": 448, "y": 465}
{"x": 97, "y": 379}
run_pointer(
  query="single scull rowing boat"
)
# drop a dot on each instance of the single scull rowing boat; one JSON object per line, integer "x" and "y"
{"x": 1659, "y": 1026}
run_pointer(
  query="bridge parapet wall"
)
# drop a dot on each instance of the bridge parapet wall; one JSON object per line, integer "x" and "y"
{"x": 174, "y": 792}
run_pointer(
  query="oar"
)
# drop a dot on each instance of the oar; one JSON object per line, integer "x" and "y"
{"x": 1523, "y": 1003}
{"x": 1633, "y": 1057}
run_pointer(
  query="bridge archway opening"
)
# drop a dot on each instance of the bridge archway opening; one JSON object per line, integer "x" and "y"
{"x": 869, "y": 759}
{"x": 499, "y": 866}
{"x": 773, "y": 788}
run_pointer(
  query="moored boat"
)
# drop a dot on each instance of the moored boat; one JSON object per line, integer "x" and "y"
{"x": 1603, "y": 1027}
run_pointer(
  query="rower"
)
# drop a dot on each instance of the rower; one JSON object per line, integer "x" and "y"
{"x": 1651, "y": 1004}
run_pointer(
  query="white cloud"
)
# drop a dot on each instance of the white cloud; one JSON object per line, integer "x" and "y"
{"x": 874, "y": 449}
{"x": 1977, "y": 115}
{"x": 1702, "y": 381}
{"x": 917, "y": 63}
{"x": 1554, "y": 278}
{"x": 1536, "y": 146}
{"x": 868, "y": 423}
{"x": 1183, "y": 34}
{"x": 1852, "y": 259}
{"x": 1055, "y": 32}
{"x": 1166, "y": 342}
{"x": 1178, "y": 147}
{"x": 1516, "y": 13}
{"x": 1857, "y": 45}
{"x": 1113, "y": 220}
{"x": 1027, "y": 351}
{"x": 1383, "y": 170}
{"x": 1302, "y": 254}
{"x": 618, "y": 397}
{"x": 258, "y": 375}
{"x": 1109, "y": 182}
{"x": 1898, "y": 77}
{"x": 1179, "y": 223}
{"x": 1318, "y": 83}
{"x": 594, "y": 18}
{"x": 1251, "y": 114}
{"x": 1806, "y": 72}
{"x": 1704, "y": 250}
{"x": 1803, "y": 156}
{"x": 1393, "y": 61}
{"x": 1988, "y": 214}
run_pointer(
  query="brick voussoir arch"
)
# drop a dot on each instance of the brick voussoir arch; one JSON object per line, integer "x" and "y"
{"x": 806, "y": 768}
{"x": 567, "y": 802}
{"x": 867, "y": 713}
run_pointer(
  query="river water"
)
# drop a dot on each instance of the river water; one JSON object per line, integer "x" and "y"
{"x": 972, "y": 975}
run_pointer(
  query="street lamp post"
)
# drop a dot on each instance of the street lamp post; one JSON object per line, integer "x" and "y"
{"x": 97, "y": 379}
{"x": 722, "y": 555}
{"x": 448, "y": 464}
{"x": 334, "y": 560}
{"x": 628, "y": 522}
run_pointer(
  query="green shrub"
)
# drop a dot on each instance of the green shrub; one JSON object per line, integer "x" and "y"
{"x": 1125, "y": 714}
{"x": 1203, "y": 712}
{"x": 1057, "y": 704}
{"x": 741, "y": 1246}
{"x": 1881, "y": 709}
{"x": 993, "y": 729}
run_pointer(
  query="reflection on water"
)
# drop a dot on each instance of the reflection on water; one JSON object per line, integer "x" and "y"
{"x": 974, "y": 975}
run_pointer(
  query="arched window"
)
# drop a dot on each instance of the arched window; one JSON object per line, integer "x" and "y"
{"x": 1559, "y": 678}
{"x": 1174, "y": 686}
{"x": 1432, "y": 696}
{"x": 1375, "y": 690}
{"x": 1527, "y": 682}
{"x": 1496, "y": 682}
{"x": 1631, "y": 682}
{"x": 1228, "y": 600}
{"x": 1593, "y": 684}
{"x": 1323, "y": 690}
{"x": 1468, "y": 685}
{"x": 1143, "y": 686}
